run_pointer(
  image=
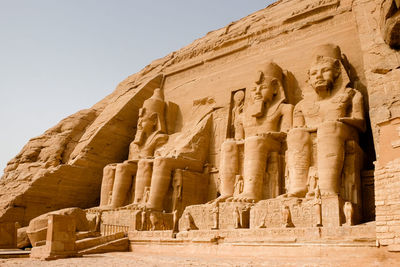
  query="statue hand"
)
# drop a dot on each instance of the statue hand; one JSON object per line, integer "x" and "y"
{"x": 308, "y": 129}
{"x": 275, "y": 135}
{"x": 346, "y": 120}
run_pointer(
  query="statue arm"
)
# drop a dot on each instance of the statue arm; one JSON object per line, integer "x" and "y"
{"x": 298, "y": 117}
{"x": 287, "y": 118}
{"x": 133, "y": 151}
{"x": 356, "y": 118}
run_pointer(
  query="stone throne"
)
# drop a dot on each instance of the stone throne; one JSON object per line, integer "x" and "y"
{"x": 173, "y": 178}
{"x": 324, "y": 159}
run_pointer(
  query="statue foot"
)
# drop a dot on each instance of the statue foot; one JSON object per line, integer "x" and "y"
{"x": 310, "y": 195}
{"x": 219, "y": 199}
{"x": 242, "y": 198}
{"x": 105, "y": 207}
{"x": 328, "y": 193}
{"x": 135, "y": 206}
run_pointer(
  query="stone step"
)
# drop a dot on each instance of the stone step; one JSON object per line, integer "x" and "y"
{"x": 86, "y": 234}
{"x": 119, "y": 245}
{"x": 14, "y": 253}
{"x": 96, "y": 241}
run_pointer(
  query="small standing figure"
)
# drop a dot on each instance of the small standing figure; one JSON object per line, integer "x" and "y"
{"x": 163, "y": 224}
{"x": 312, "y": 182}
{"x": 109, "y": 198}
{"x": 237, "y": 130}
{"x": 146, "y": 194}
{"x": 287, "y": 218}
{"x": 143, "y": 220}
{"x": 348, "y": 213}
{"x": 175, "y": 221}
{"x": 215, "y": 215}
{"x": 317, "y": 207}
{"x": 190, "y": 225}
{"x": 263, "y": 222}
{"x": 177, "y": 190}
{"x": 236, "y": 217}
{"x": 153, "y": 221}
{"x": 239, "y": 184}
{"x": 98, "y": 222}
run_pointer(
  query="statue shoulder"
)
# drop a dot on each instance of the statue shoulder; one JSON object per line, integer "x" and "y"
{"x": 160, "y": 139}
{"x": 299, "y": 105}
{"x": 287, "y": 108}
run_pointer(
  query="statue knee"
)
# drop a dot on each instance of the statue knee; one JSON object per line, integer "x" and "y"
{"x": 121, "y": 168}
{"x": 228, "y": 146}
{"x": 161, "y": 163}
{"x": 110, "y": 167}
{"x": 126, "y": 167}
{"x": 254, "y": 142}
{"x": 109, "y": 171}
{"x": 297, "y": 138}
{"x": 332, "y": 129}
{"x": 145, "y": 165}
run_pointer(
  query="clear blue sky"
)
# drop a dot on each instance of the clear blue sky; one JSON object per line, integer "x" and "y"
{"x": 57, "y": 57}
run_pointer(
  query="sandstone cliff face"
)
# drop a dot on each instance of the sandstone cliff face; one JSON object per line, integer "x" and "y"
{"x": 63, "y": 167}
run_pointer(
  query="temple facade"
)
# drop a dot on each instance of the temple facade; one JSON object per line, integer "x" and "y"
{"x": 282, "y": 127}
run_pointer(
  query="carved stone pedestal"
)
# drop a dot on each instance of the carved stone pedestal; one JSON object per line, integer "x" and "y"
{"x": 297, "y": 212}
{"x": 226, "y": 215}
{"x": 117, "y": 220}
{"x": 234, "y": 215}
{"x": 151, "y": 221}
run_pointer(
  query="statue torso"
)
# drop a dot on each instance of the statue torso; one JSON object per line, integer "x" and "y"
{"x": 330, "y": 109}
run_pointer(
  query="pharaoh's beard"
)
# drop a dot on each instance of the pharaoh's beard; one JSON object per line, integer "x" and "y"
{"x": 257, "y": 108}
{"x": 323, "y": 88}
{"x": 322, "y": 92}
{"x": 139, "y": 137}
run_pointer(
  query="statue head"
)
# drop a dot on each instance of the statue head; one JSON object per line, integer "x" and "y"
{"x": 151, "y": 117}
{"x": 325, "y": 69}
{"x": 268, "y": 87}
{"x": 238, "y": 98}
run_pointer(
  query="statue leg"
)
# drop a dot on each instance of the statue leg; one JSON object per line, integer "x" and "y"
{"x": 143, "y": 178}
{"x": 161, "y": 178}
{"x": 256, "y": 149}
{"x": 299, "y": 160}
{"x": 123, "y": 182}
{"x": 331, "y": 138}
{"x": 229, "y": 168}
{"x": 107, "y": 183}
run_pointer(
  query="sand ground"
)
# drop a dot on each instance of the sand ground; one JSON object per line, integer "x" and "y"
{"x": 142, "y": 259}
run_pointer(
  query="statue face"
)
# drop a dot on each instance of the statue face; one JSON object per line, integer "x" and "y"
{"x": 264, "y": 92}
{"x": 322, "y": 76}
{"x": 238, "y": 98}
{"x": 146, "y": 124}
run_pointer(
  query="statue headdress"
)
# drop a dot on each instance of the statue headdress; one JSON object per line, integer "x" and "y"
{"x": 333, "y": 52}
{"x": 156, "y": 104}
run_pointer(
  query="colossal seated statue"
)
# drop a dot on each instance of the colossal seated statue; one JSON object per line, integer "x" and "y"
{"x": 185, "y": 150}
{"x": 261, "y": 128}
{"x": 326, "y": 125}
{"x": 150, "y": 135}
{"x": 145, "y": 178}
